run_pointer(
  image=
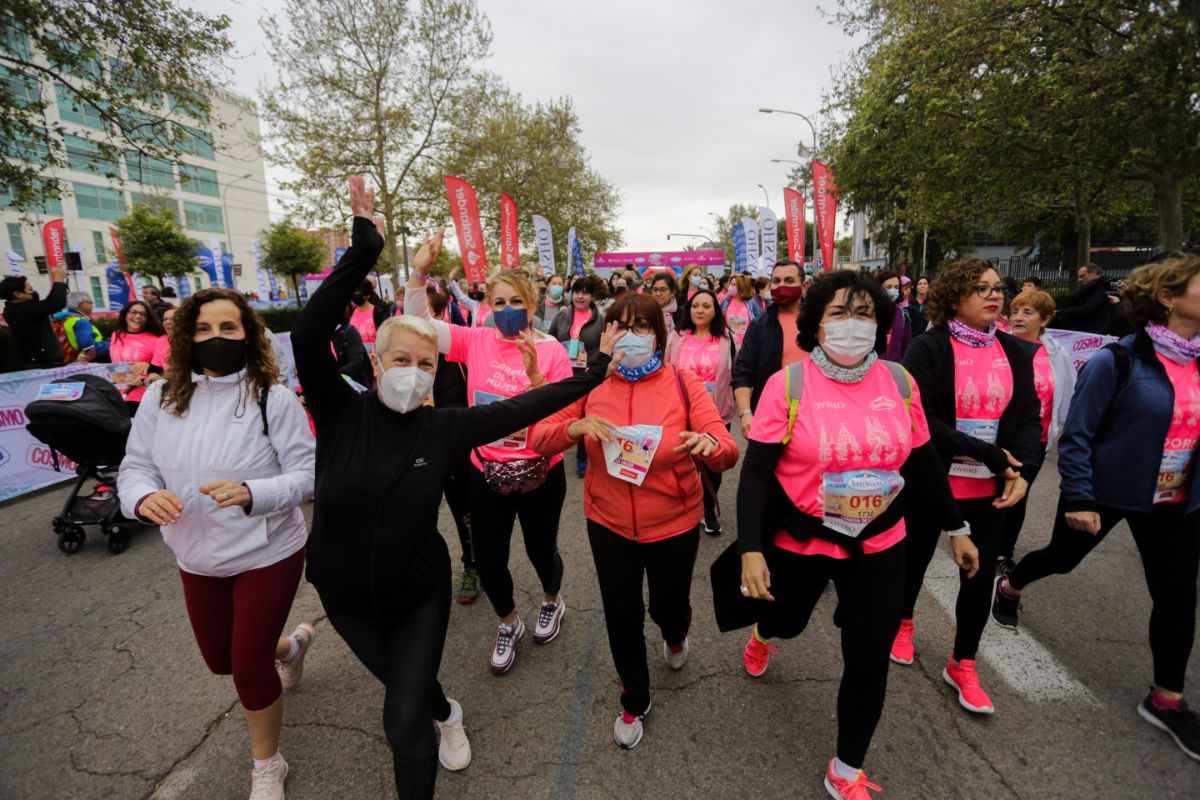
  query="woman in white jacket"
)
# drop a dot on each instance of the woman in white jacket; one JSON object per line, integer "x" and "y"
{"x": 221, "y": 457}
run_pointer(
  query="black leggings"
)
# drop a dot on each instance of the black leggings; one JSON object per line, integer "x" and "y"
{"x": 456, "y": 498}
{"x": 621, "y": 564}
{"x": 974, "y": 594}
{"x": 492, "y": 518}
{"x": 877, "y": 588}
{"x": 1169, "y": 543}
{"x": 1014, "y": 520}
{"x": 404, "y": 654}
{"x": 710, "y": 498}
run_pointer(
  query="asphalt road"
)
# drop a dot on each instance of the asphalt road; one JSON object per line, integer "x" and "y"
{"x": 103, "y": 693}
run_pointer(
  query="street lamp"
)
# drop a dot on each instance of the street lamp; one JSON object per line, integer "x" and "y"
{"x": 225, "y": 218}
{"x": 787, "y": 161}
{"x": 800, "y": 152}
{"x": 693, "y": 236}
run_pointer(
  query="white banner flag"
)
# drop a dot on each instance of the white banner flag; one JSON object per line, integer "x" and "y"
{"x": 138, "y": 283}
{"x": 768, "y": 234}
{"x": 14, "y": 263}
{"x": 264, "y": 291}
{"x": 750, "y": 225}
{"x": 545, "y": 244}
{"x": 218, "y": 266}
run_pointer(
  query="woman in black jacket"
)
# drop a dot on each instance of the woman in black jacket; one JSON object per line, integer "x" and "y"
{"x": 375, "y": 555}
{"x": 985, "y": 422}
{"x": 579, "y": 326}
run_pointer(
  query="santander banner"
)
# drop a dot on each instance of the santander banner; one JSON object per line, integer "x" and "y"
{"x": 825, "y": 201}
{"x": 52, "y": 239}
{"x": 510, "y": 239}
{"x": 793, "y": 211}
{"x": 465, "y": 210}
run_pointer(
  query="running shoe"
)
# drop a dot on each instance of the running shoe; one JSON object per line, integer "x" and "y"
{"x": 628, "y": 729}
{"x": 266, "y": 783}
{"x": 290, "y": 672}
{"x": 454, "y": 751}
{"x": 468, "y": 589}
{"x": 962, "y": 676}
{"x": 712, "y": 524}
{"x": 676, "y": 655}
{"x": 902, "y": 645}
{"x": 549, "y": 621}
{"x": 1181, "y": 724}
{"x": 505, "y": 651}
{"x": 849, "y": 790}
{"x": 1005, "y": 565}
{"x": 757, "y": 655}
{"x": 1005, "y": 608}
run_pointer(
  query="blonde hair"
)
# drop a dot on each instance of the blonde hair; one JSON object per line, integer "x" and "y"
{"x": 1039, "y": 301}
{"x": 1140, "y": 291}
{"x": 745, "y": 290}
{"x": 408, "y": 324}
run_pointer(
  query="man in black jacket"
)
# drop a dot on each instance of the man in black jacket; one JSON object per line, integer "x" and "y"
{"x": 763, "y": 347}
{"x": 1090, "y": 305}
{"x": 28, "y": 318}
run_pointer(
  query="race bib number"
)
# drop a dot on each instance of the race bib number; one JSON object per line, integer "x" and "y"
{"x": 1172, "y": 475}
{"x": 513, "y": 441}
{"x": 738, "y": 323}
{"x": 855, "y": 499}
{"x": 711, "y": 388}
{"x": 629, "y": 454}
{"x": 60, "y": 391}
{"x": 983, "y": 429}
{"x": 577, "y": 353}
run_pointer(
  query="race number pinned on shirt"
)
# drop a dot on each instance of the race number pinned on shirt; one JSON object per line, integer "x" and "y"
{"x": 855, "y": 499}
{"x": 984, "y": 430}
{"x": 629, "y": 454}
{"x": 577, "y": 353}
{"x": 1172, "y": 476}
{"x": 60, "y": 391}
{"x": 513, "y": 441}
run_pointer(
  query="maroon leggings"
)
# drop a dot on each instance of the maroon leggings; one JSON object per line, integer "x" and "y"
{"x": 237, "y": 622}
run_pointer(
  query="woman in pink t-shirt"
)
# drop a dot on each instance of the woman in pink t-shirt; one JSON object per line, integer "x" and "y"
{"x": 984, "y": 419}
{"x": 578, "y": 327}
{"x": 134, "y": 342}
{"x": 508, "y": 480}
{"x": 703, "y": 346}
{"x": 839, "y": 442}
{"x": 741, "y": 307}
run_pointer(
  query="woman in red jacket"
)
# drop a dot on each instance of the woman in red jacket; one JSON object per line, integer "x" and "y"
{"x": 643, "y": 500}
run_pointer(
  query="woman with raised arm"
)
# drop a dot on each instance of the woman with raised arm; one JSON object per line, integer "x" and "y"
{"x": 386, "y": 584}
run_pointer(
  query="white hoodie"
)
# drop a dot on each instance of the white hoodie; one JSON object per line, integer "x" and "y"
{"x": 221, "y": 436}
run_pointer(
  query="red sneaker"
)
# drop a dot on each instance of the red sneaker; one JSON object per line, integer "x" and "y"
{"x": 902, "y": 647}
{"x": 758, "y": 654}
{"x": 849, "y": 790}
{"x": 961, "y": 675}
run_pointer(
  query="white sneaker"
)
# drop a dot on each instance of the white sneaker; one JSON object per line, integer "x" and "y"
{"x": 676, "y": 660}
{"x": 266, "y": 783}
{"x": 549, "y": 621}
{"x": 290, "y": 672}
{"x": 454, "y": 751}
{"x": 627, "y": 730}
{"x": 505, "y": 651}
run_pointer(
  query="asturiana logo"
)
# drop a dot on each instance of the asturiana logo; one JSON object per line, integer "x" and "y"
{"x": 866, "y": 482}
{"x": 882, "y": 403}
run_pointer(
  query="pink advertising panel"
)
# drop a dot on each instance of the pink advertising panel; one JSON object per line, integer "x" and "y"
{"x": 659, "y": 260}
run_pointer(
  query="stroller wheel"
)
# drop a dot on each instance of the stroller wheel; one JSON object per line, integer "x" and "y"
{"x": 118, "y": 539}
{"x": 71, "y": 539}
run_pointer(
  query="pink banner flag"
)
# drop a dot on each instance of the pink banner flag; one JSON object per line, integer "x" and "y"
{"x": 53, "y": 240}
{"x": 510, "y": 239}
{"x": 793, "y": 209}
{"x": 465, "y": 210}
{"x": 825, "y": 202}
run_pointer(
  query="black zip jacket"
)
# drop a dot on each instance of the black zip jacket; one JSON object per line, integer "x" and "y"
{"x": 560, "y": 329}
{"x": 375, "y": 549}
{"x": 761, "y": 354}
{"x": 31, "y": 332}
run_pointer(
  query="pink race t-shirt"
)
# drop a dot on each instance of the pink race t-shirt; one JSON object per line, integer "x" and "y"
{"x": 1176, "y": 466}
{"x": 363, "y": 320}
{"x": 162, "y": 348}
{"x": 699, "y": 356}
{"x": 134, "y": 348}
{"x": 839, "y": 428}
{"x": 983, "y": 387}
{"x": 737, "y": 317}
{"x": 579, "y": 320}
{"x": 496, "y": 371}
{"x": 1043, "y": 383}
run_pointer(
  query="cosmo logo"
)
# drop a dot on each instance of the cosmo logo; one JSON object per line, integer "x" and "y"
{"x": 1000, "y": 363}
{"x": 882, "y": 403}
{"x": 12, "y": 417}
{"x": 39, "y": 455}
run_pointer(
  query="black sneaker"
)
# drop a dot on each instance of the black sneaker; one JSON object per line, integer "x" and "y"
{"x": 1005, "y": 565}
{"x": 712, "y": 524}
{"x": 1005, "y": 609}
{"x": 1181, "y": 723}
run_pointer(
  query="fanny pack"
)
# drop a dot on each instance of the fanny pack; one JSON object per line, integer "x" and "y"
{"x": 518, "y": 476}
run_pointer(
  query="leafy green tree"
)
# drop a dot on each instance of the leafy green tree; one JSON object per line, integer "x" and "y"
{"x": 153, "y": 243}
{"x": 117, "y": 63}
{"x": 290, "y": 251}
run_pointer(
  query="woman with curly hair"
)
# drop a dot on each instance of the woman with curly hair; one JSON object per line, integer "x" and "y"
{"x": 1126, "y": 453}
{"x": 984, "y": 419}
{"x": 135, "y": 341}
{"x": 221, "y": 457}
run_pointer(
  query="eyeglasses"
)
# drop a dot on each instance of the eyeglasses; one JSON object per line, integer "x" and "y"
{"x": 141, "y": 314}
{"x": 661, "y": 290}
{"x": 640, "y": 327}
{"x": 983, "y": 290}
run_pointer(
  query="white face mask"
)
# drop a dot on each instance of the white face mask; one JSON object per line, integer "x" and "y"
{"x": 638, "y": 348}
{"x": 404, "y": 388}
{"x": 847, "y": 341}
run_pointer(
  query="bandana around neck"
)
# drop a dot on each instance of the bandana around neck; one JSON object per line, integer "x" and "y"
{"x": 1172, "y": 345}
{"x": 635, "y": 373}
{"x": 971, "y": 337}
{"x": 836, "y": 372}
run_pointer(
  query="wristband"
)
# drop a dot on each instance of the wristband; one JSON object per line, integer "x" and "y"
{"x": 965, "y": 530}
{"x": 716, "y": 442}
{"x": 747, "y": 411}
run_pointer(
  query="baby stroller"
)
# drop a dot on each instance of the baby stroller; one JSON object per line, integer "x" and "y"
{"x": 91, "y": 430}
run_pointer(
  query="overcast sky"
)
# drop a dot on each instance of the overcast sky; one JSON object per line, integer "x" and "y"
{"x": 667, "y": 92}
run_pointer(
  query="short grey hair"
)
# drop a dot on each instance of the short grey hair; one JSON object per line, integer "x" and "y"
{"x": 76, "y": 299}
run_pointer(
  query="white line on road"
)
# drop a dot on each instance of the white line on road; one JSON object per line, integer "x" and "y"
{"x": 1016, "y": 656}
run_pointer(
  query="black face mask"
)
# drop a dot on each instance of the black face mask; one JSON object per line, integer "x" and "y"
{"x": 220, "y": 355}
{"x": 620, "y": 290}
{"x": 357, "y": 298}
{"x": 477, "y": 296}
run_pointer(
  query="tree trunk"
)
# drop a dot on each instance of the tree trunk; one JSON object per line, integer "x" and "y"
{"x": 1168, "y": 203}
{"x": 296, "y": 290}
{"x": 1083, "y": 226}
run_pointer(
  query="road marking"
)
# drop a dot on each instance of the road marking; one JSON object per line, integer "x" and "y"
{"x": 1020, "y": 660}
{"x": 570, "y": 753}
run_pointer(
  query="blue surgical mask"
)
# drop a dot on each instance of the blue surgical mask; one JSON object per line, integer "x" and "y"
{"x": 555, "y": 291}
{"x": 695, "y": 279}
{"x": 893, "y": 293}
{"x": 511, "y": 320}
{"x": 637, "y": 347}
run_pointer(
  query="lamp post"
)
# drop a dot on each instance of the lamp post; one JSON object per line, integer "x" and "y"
{"x": 799, "y": 151}
{"x": 766, "y": 197}
{"x": 225, "y": 217}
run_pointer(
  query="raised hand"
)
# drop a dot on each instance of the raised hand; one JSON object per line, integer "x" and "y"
{"x": 609, "y": 337}
{"x": 161, "y": 507}
{"x": 598, "y": 429}
{"x": 701, "y": 445}
{"x": 528, "y": 347}
{"x": 362, "y": 199}
{"x": 423, "y": 259}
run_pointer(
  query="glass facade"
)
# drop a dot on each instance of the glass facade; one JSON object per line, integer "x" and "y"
{"x": 98, "y": 246}
{"x": 72, "y": 109}
{"x": 98, "y": 202}
{"x": 16, "y": 241}
{"x": 149, "y": 170}
{"x": 194, "y": 141}
{"x": 201, "y": 217}
{"x": 199, "y": 180}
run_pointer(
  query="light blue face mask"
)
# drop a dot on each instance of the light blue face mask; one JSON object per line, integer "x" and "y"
{"x": 637, "y": 347}
{"x": 555, "y": 291}
{"x": 893, "y": 293}
{"x": 695, "y": 279}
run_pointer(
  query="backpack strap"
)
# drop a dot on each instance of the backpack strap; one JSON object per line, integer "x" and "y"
{"x": 793, "y": 385}
{"x": 1124, "y": 363}
{"x": 705, "y": 481}
{"x": 903, "y": 381}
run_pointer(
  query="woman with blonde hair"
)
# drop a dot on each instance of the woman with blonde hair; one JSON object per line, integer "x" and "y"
{"x": 741, "y": 307}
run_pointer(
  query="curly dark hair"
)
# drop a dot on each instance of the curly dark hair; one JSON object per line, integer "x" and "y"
{"x": 261, "y": 371}
{"x": 153, "y": 323}
{"x": 952, "y": 285}
{"x": 715, "y": 328}
{"x": 821, "y": 293}
{"x": 1172, "y": 273}
{"x": 632, "y": 304}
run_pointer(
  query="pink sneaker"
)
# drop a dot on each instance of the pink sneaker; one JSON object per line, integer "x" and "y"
{"x": 290, "y": 672}
{"x": 961, "y": 675}
{"x": 902, "y": 647}
{"x": 849, "y": 790}
{"x": 758, "y": 654}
